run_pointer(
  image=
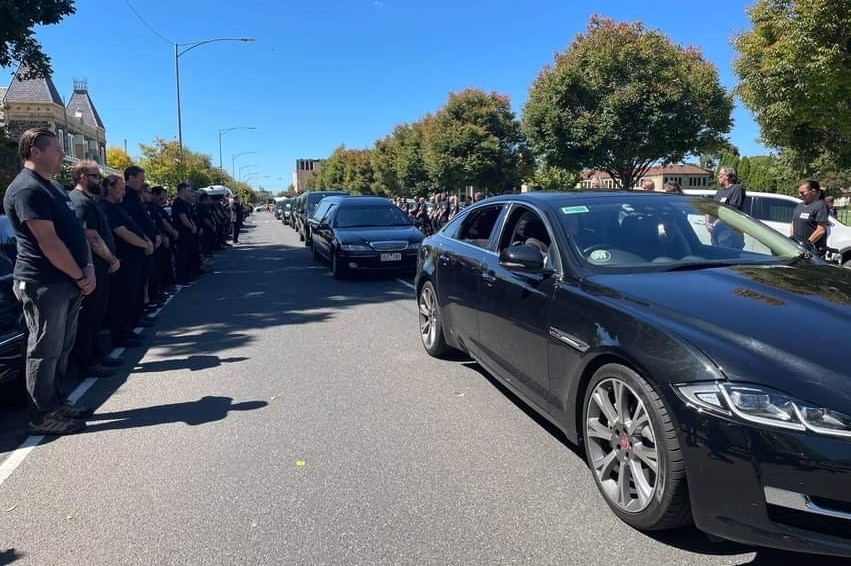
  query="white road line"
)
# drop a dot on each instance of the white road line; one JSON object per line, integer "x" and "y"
{"x": 10, "y": 464}
{"x": 406, "y": 283}
{"x": 15, "y": 458}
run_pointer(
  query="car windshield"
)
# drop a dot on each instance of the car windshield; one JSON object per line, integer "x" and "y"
{"x": 364, "y": 216}
{"x": 669, "y": 233}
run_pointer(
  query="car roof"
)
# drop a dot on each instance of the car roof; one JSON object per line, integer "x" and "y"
{"x": 364, "y": 201}
{"x": 581, "y": 197}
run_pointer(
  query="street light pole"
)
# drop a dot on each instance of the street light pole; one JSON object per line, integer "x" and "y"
{"x": 177, "y": 54}
{"x": 245, "y": 167}
{"x": 233, "y": 161}
{"x": 224, "y": 131}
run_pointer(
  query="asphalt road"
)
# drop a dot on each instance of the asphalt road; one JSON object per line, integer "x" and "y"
{"x": 278, "y": 416}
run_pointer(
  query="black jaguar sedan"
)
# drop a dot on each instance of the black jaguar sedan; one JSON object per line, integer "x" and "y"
{"x": 707, "y": 378}
{"x": 358, "y": 233}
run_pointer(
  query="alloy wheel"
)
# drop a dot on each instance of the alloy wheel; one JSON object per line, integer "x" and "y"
{"x": 622, "y": 445}
{"x": 428, "y": 317}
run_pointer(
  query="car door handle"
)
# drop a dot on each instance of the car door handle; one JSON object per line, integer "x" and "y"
{"x": 489, "y": 277}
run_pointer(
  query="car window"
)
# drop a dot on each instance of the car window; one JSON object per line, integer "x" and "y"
{"x": 669, "y": 233}
{"x": 526, "y": 227}
{"x": 329, "y": 213}
{"x": 378, "y": 215}
{"x": 770, "y": 209}
{"x": 477, "y": 227}
{"x": 321, "y": 210}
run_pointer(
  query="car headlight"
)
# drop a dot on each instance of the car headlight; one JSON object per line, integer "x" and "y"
{"x": 766, "y": 406}
{"x": 354, "y": 248}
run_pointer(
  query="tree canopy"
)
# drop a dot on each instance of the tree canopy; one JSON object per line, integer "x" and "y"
{"x": 117, "y": 158}
{"x": 794, "y": 68}
{"x": 622, "y": 98}
{"x": 17, "y": 39}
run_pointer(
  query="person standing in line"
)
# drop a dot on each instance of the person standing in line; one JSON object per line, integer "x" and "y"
{"x": 53, "y": 271}
{"x": 131, "y": 247}
{"x": 89, "y": 359}
{"x": 809, "y": 219}
{"x": 672, "y": 187}
{"x": 163, "y": 256}
{"x": 181, "y": 214}
{"x": 134, "y": 179}
{"x": 236, "y": 217}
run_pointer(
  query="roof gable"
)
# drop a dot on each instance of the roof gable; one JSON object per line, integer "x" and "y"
{"x": 41, "y": 90}
{"x": 82, "y": 104}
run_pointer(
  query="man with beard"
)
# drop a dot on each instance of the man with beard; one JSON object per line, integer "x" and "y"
{"x": 53, "y": 270}
{"x": 88, "y": 357}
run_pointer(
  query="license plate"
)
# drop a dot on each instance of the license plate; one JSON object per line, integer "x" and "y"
{"x": 391, "y": 257}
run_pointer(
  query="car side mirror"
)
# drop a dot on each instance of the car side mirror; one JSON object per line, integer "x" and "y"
{"x": 805, "y": 244}
{"x": 526, "y": 257}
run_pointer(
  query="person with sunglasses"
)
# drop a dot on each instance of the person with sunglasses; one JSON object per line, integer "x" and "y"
{"x": 809, "y": 219}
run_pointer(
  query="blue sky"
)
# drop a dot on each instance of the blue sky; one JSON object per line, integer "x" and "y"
{"x": 331, "y": 72}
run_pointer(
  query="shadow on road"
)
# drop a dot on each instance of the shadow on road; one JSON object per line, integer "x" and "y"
{"x": 193, "y": 413}
{"x": 9, "y": 556}
{"x": 192, "y": 363}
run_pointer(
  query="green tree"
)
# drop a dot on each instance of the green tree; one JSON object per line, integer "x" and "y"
{"x": 475, "y": 140}
{"x": 117, "y": 158}
{"x": 551, "y": 178}
{"x": 164, "y": 164}
{"x": 794, "y": 68}
{"x": 622, "y": 98}
{"x": 17, "y": 38}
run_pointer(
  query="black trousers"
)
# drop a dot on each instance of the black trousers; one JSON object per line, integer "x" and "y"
{"x": 125, "y": 284}
{"x": 183, "y": 256}
{"x": 163, "y": 265}
{"x": 237, "y": 226}
{"x": 87, "y": 351}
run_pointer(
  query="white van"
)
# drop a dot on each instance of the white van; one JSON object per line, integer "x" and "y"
{"x": 775, "y": 210}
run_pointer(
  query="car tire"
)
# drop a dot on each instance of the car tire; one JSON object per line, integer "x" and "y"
{"x": 337, "y": 270}
{"x": 431, "y": 322}
{"x": 634, "y": 440}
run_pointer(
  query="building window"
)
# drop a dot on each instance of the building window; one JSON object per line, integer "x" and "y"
{"x": 62, "y": 140}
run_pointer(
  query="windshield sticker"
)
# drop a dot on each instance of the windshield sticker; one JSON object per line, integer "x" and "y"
{"x": 600, "y": 256}
{"x": 574, "y": 209}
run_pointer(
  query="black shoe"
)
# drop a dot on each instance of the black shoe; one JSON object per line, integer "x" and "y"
{"x": 98, "y": 370}
{"x": 55, "y": 424}
{"x": 112, "y": 361}
{"x": 71, "y": 412}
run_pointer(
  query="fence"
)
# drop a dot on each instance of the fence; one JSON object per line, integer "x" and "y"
{"x": 844, "y": 216}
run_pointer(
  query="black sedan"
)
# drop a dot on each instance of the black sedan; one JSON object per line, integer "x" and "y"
{"x": 363, "y": 234}
{"x": 707, "y": 378}
{"x": 13, "y": 337}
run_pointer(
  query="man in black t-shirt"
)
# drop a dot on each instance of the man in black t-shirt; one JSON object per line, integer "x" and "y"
{"x": 732, "y": 194}
{"x": 88, "y": 356}
{"x": 187, "y": 243}
{"x": 809, "y": 220}
{"x": 131, "y": 247}
{"x": 163, "y": 256}
{"x": 53, "y": 270}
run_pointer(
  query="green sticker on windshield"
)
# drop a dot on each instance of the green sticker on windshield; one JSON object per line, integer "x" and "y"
{"x": 574, "y": 209}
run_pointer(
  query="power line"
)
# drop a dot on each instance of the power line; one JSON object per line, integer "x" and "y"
{"x": 141, "y": 19}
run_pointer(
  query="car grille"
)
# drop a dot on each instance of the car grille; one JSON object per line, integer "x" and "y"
{"x": 809, "y": 521}
{"x": 389, "y": 246}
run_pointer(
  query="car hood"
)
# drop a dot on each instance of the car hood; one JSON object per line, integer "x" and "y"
{"x": 365, "y": 235}
{"x": 784, "y": 327}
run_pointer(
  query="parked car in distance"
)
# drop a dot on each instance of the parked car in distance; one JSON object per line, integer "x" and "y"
{"x": 363, "y": 234}
{"x": 776, "y": 210}
{"x": 305, "y": 206}
{"x": 681, "y": 368}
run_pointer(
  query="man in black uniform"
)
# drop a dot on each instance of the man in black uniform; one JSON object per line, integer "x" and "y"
{"x": 131, "y": 247}
{"x": 187, "y": 243}
{"x": 134, "y": 179}
{"x": 237, "y": 217}
{"x": 53, "y": 270}
{"x": 809, "y": 220}
{"x": 88, "y": 357}
{"x": 163, "y": 256}
{"x": 732, "y": 194}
